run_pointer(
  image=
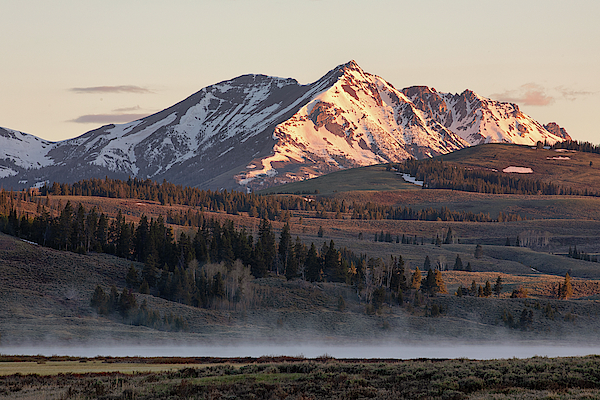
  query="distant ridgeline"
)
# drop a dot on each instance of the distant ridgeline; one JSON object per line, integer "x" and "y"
{"x": 443, "y": 175}
{"x": 269, "y": 207}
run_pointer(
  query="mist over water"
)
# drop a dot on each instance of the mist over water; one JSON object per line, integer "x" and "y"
{"x": 425, "y": 349}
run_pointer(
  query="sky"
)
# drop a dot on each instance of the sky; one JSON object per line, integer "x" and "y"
{"x": 70, "y": 66}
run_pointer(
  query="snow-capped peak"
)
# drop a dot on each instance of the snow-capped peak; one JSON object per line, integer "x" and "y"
{"x": 256, "y": 130}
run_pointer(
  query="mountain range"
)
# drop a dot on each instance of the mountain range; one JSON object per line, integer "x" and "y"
{"x": 257, "y": 131}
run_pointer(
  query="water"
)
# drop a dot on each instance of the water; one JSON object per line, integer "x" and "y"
{"x": 422, "y": 349}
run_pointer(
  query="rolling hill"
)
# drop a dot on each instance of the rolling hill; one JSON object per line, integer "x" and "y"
{"x": 578, "y": 170}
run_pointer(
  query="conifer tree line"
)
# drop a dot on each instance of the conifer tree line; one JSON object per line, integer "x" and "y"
{"x": 440, "y": 175}
{"x": 170, "y": 263}
{"x": 476, "y": 290}
{"x": 270, "y": 207}
{"x": 585, "y": 147}
{"x": 214, "y": 267}
{"x": 581, "y": 255}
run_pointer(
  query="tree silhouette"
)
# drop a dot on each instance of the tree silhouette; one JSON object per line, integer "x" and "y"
{"x": 498, "y": 286}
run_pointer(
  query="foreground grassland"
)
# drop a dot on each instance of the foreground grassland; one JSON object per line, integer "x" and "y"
{"x": 326, "y": 378}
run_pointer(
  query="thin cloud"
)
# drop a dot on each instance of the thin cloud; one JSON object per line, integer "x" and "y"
{"x": 127, "y": 109}
{"x": 530, "y": 94}
{"x": 571, "y": 94}
{"x": 112, "y": 89}
{"x": 108, "y": 118}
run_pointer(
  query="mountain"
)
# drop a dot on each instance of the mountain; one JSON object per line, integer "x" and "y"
{"x": 256, "y": 131}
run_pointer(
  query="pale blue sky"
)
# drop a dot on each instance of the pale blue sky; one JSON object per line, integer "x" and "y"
{"x": 70, "y": 66}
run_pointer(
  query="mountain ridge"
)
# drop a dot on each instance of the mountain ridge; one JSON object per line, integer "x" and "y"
{"x": 256, "y": 131}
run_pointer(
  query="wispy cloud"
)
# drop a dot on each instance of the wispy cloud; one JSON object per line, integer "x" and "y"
{"x": 127, "y": 109}
{"x": 108, "y": 118}
{"x": 530, "y": 94}
{"x": 572, "y": 94}
{"x": 112, "y": 89}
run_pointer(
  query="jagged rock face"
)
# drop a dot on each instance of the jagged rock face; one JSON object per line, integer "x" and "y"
{"x": 256, "y": 131}
{"x": 556, "y": 130}
{"x": 478, "y": 120}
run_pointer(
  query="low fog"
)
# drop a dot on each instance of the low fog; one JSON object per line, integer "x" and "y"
{"x": 409, "y": 350}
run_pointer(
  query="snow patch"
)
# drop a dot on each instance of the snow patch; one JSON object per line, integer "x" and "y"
{"x": 25, "y": 150}
{"x": 119, "y": 153}
{"x": 517, "y": 170}
{"x": 411, "y": 179}
{"x": 225, "y": 152}
{"x": 558, "y": 158}
{"x": 39, "y": 185}
{"x": 5, "y": 172}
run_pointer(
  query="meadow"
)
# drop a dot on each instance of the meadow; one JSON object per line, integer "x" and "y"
{"x": 325, "y": 378}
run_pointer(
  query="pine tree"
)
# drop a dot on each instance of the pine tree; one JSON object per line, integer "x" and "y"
{"x": 498, "y": 286}
{"x": 458, "y": 265}
{"x": 291, "y": 271}
{"x": 478, "y": 251}
{"x": 566, "y": 290}
{"x": 312, "y": 265}
{"x": 341, "y": 304}
{"x": 144, "y": 287}
{"x": 473, "y": 289}
{"x": 65, "y": 227}
{"x": 266, "y": 237}
{"x": 285, "y": 245}
{"x": 487, "y": 290}
{"x": 440, "y": 285}
{"x": 415, "y": 280}
{"x": 113, "y": 299}
{"x": 99, "y": 301}
{"x": 150, "y": 271}
{"x": 427, "y": 264}
{"x": 428, "y": 284}
{"x": 331, "y": 264}
{"x": 449, "y": 237}
{"x": 141, "y": 242}
{"x": 127, "y": 303}
{"x": 132, "y": 279}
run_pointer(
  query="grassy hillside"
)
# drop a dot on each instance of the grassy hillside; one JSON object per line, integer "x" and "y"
{"x": 575, "y": 169}
{"x": 566, "y": 168}
{"x": 46, "y": 293}
{"x": 372, "y": 178}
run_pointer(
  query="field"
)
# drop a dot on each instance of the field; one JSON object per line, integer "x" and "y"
{"x": 326, "y": 378}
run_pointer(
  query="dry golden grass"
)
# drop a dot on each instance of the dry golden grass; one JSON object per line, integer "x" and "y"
{"x": 537, "y": 285}
{"x": 88, "y": 366}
